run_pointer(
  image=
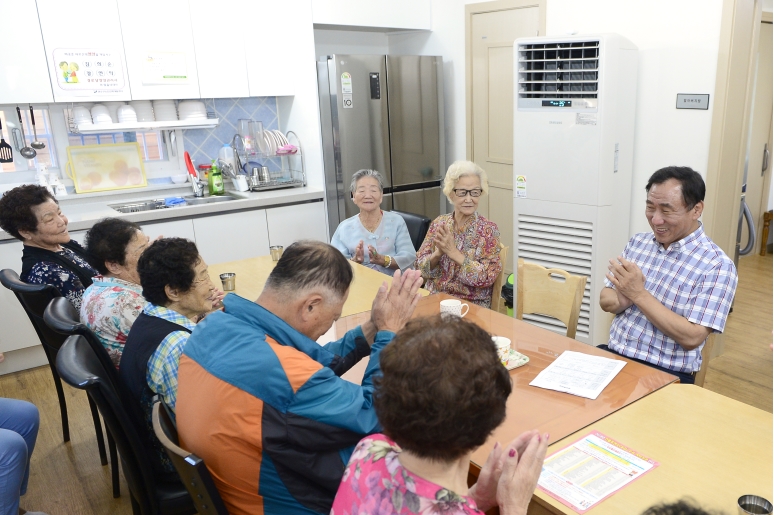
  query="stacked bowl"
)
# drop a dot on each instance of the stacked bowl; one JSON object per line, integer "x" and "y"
{"x": 143, "y": 110}
{"x": 126, "y": 114}
{"x": 100, "y": 114}
{"x": 165, "y": 110}
{"x": 81, "y": 115}
{"x": 192, "y": 110}
{"x": 113, "y": 109}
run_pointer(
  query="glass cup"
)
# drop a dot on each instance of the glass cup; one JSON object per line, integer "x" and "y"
{"x": 256, "y": 131}
{"x": 229, "y": 281}
{"x": 276, "y": 252}
{"x": 243, "y": 126}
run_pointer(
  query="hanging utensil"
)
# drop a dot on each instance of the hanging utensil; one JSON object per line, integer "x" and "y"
{"x": 37, "y": 144}
{"x": 6, "y": 153}
{"x": 26, "y": 152}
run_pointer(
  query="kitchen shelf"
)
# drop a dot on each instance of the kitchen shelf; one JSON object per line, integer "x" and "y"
{"x": 93, "y": 128}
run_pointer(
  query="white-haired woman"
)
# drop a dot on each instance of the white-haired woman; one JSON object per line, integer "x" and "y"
{"x": 375, "y": 238}
{"x": 461, "y": 252}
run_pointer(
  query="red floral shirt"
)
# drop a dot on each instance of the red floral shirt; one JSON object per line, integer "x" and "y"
{"x": 479, "y": 241}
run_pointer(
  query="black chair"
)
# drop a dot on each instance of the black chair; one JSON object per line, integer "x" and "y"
{"x": 417, "y": 227}
{"x": 34, "y": 298}
{"x": 80, "y": 367}
{"x": 61, "y": 316}
{"x": 192, "y": 470}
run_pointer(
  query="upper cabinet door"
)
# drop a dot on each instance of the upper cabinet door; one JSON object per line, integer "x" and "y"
{"x": 24, "y": 76}
{"x": 277, "y": 51}
{"x": 159, "y": 47}
{"x": 395, "y": 14}
{"x": 83, "y": 48}
{"x": 220, "y": 55}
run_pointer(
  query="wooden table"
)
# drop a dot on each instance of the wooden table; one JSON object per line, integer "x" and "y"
{"x": 251, "y": 275}
{"x": 711, "y": 448}
{"x": 529, "y": 407}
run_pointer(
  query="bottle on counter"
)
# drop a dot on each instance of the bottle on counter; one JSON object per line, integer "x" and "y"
{"x": 215, "y": 180}
{"x": 204, "y": 173}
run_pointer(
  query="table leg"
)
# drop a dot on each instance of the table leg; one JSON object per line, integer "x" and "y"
{"x": 767, "y": 216}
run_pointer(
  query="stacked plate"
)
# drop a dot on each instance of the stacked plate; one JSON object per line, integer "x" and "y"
{"x": 113, "y": 109}
{"x": 192, "y": 110}
{"x": 165, "y": 110}
{"x": 100, "y": 114}
{"x": 143, "y": 110}
{"x": 126, "y": 114}
{"x": 275, "y": 141}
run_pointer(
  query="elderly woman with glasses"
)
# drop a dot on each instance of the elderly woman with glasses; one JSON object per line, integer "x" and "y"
{"x": 461, "y": 252}
{"x": 374, "y": 238}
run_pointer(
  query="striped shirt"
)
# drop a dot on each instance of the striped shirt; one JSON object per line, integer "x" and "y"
{"x": 692, "y": 277}
{"x": 163, "y": 364}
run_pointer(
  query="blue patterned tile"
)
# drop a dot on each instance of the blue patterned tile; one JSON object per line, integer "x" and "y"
{"x": 195, "y": 137}
{"x": 223, "y": 106}
{"x": 200, "y": 158}
{"x": 250, "y": 104}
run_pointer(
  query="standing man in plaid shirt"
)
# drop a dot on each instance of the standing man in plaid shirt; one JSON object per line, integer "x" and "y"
{"x": 671, "y": 287}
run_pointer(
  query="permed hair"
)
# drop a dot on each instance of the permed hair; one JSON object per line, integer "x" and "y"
{"x": 691, "y": 183}
{"x": 16, "y": 208}
{"x": 461, "y": 169}
{"x": 167, "y": 262}
{"x": 443, "y": 389}
{"x": 365, "y": 173}
{"x": 681, "y": 507}
{"x": 308, "y": 264}
{"x": 107, "y": 241}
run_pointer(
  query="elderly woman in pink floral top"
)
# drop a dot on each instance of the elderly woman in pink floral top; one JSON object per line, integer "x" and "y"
{"x": 419, "y": 466}
{"x": 461, "y": 252}
{"x": 114, "y": 300}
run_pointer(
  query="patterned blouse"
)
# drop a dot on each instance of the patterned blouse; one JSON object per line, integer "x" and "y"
{"x": 375, "y": 482}
{"x": 109, "y": 308}
{"x": 479, "y": 241}
{"x": 64, "y": 280}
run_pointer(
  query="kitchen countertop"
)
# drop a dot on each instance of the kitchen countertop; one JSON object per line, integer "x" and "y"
{"x": 82, "y": 210}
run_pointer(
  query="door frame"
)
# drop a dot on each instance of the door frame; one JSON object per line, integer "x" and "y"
{"x": 479, "y": 8}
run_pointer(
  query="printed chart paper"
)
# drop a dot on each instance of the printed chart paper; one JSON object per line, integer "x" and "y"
{"x": 578, "y": 374}
{"x": 590, "y": 470}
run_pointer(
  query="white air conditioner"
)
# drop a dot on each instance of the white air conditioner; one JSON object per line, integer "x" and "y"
{"x": 572, "y": 161}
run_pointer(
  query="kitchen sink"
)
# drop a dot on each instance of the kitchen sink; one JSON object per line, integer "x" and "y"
{"x": 154, "y": 204}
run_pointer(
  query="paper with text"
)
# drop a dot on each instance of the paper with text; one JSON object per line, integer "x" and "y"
{"x": 579, "y": 374}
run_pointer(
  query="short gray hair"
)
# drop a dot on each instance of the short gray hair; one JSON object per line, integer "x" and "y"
{"x": 459, "y": 169}
{"x": 309, "y": 264}
{"x": 365, "y": 173}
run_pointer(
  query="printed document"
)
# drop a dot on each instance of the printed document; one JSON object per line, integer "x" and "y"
{"x": 579, "y": 374}
{"x": 591, "y": 469}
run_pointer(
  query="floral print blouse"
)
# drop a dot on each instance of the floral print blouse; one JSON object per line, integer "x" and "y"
{"x": 479, "y": 241}
{"x": 109, "y": 308}
{"x": 64, "y": 280}
{"x": 375, "y": 483}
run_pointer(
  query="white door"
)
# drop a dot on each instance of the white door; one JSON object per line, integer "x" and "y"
{"x": 492, "y": 37}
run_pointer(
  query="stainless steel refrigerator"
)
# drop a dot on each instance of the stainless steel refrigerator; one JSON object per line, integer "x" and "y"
{"x": 385, "y": 113}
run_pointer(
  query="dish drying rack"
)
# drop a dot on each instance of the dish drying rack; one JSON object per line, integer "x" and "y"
{"x": 292, "y": 172}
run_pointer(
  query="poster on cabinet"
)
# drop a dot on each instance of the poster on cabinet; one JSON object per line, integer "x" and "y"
{"x": 160, "y": 68}
{"x": 89, "y": 72}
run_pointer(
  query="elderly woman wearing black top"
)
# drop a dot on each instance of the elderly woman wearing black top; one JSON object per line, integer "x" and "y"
{"x": 31, "y": 214}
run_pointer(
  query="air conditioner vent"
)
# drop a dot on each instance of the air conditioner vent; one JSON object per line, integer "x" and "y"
{"x": 564, "y": 244}
{"x": 559, "y": 70}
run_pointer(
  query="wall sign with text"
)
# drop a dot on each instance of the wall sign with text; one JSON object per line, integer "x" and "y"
{"x": 88, "y": 72}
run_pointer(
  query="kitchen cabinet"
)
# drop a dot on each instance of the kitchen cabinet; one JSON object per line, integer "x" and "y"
{"x": 25, "y": 74}
{"x": 84, "y": 50}
{"x": 275, "y": 52}
{"x": 297, "y": 222}
{"x": 173, "y": 229}
{"x": 159, "y": 48}
{"x": 17, "y": 332}
{"x": 232, "y": 236}
{"x": 396, "y": 14}
{"x": 222, "y": 61}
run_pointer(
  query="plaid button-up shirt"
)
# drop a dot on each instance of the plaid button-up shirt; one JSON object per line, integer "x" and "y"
{"x": 163, "y": 364}
{"x": 694, "y": 278}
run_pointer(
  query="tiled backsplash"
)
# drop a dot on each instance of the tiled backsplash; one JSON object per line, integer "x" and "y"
{"x": 203, "y": 144}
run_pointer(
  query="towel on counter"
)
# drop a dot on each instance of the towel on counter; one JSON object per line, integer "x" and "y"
{"x": 174, "y": 201}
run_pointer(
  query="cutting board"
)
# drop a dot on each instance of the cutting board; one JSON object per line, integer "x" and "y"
{"x": 106, "y": 167}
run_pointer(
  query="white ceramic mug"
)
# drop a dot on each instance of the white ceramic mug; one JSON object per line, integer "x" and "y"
{"x": 503, "y": 345}
{"x": 454, "y": 307}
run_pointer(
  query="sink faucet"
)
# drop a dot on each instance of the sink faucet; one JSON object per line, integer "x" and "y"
{"x": 198, "y": 190}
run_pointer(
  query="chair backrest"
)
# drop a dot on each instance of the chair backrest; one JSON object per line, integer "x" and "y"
{"x": 497, "y": 300}
{"x": 61, "y": 316}
{"x": 192, "y": 470}
{"x": 706, "y": 353}
{"x": 80, "y": 367}
{"x": 417, "y": 227}
{"x": 34, "y": 298}
{"x": 539, "y": 293}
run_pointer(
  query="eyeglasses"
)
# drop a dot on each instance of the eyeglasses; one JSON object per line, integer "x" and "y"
{"x": 462, "y": 193}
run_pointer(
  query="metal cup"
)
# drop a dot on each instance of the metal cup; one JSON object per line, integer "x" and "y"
{"x": 276, "y": 252}
{"x": 754, "y": 504}
{"x": 229, "y": 281}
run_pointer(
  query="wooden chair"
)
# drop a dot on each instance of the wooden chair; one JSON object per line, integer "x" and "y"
{"x": 706, "y": 352}
{"x": 498, "y": 303}
{"x": 539, "y": 293}
{"x": 80, "y": 367}
{"x": 192, "y": 470}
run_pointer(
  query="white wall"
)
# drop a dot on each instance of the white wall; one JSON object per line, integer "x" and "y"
{"x": 678, "y": 43}
{"x": 327, "y": 42}
{"x": 401, "y": 14}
